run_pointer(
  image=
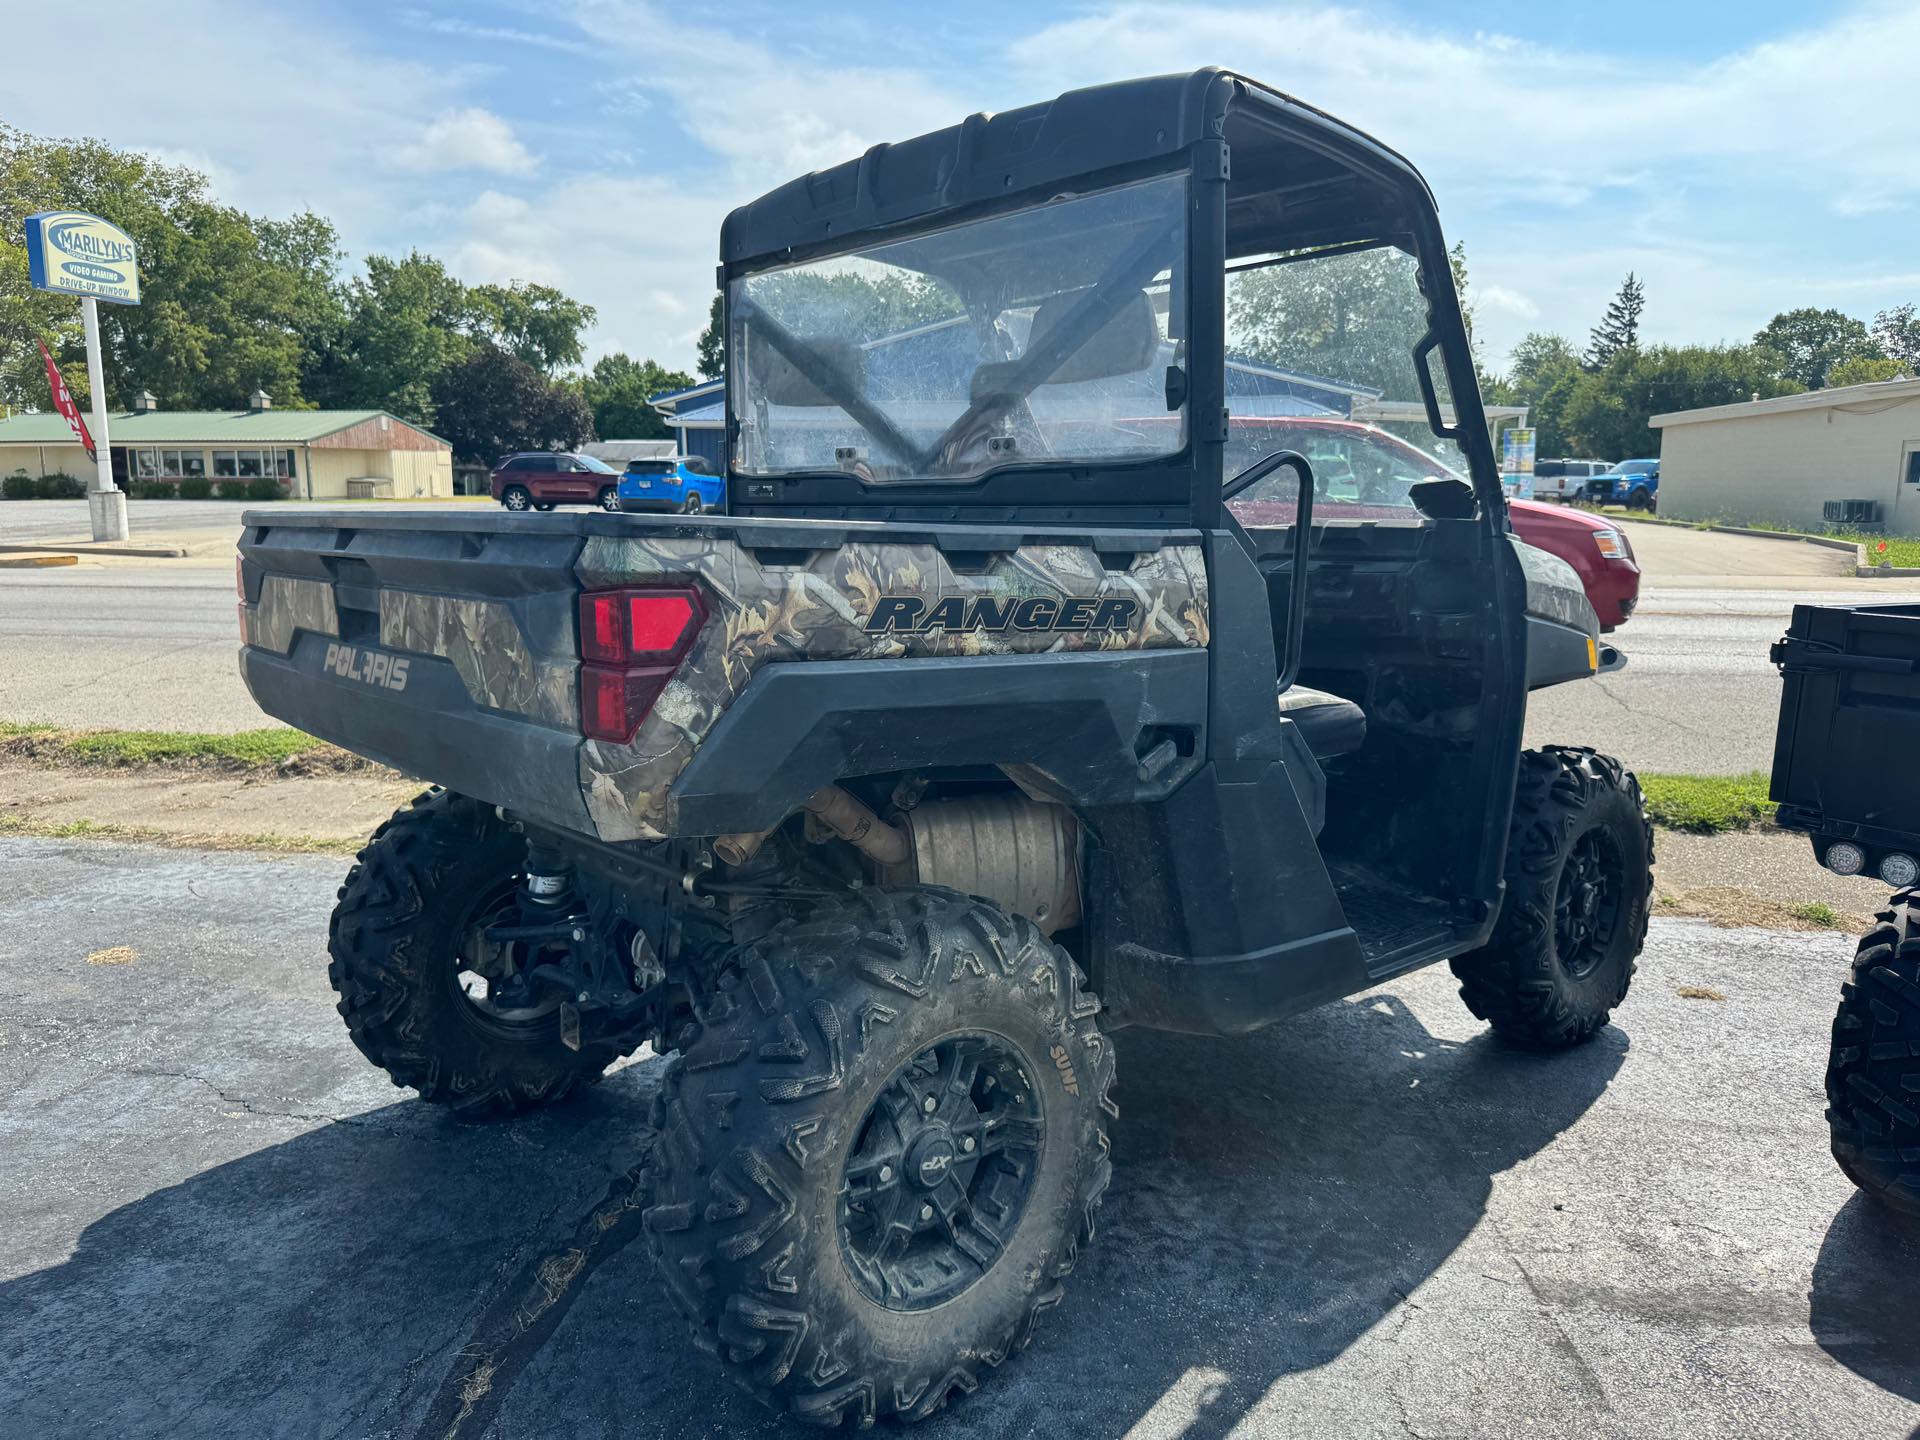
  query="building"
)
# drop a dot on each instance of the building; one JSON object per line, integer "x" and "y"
{"x": 1782, "y": 461}
{"x": 618, "y": 452}
{"x": 698, "y": 418}
{"x": 315, "y": 454}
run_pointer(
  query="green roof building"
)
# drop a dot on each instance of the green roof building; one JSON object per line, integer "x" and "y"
{"x": 315, "y": 454}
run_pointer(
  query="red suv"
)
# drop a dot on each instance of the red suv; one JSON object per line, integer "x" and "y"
{"x": 540, "y": 480}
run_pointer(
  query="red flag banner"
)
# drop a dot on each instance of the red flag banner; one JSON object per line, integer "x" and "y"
{"x": 63, "y": 402}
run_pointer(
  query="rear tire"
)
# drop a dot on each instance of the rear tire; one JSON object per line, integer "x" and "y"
{"x": 1873, "y": 1069}
{"x": 517, "y": 497}
{"x": 407, "y": 910}
{"x": 1579, "y": 884}
{"x": 817, "y": 1209}
{"x": 692, "y": 507}
{"x": 609, "y": 498}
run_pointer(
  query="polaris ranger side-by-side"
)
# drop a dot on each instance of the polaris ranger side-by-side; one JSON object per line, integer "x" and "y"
{"x": 981, "y": 727}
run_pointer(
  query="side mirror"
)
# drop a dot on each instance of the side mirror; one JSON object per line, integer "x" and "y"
{"x": 1442, "y": 499}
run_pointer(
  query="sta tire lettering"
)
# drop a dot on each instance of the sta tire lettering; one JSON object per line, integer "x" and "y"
{"x": 1063, "y": 1062}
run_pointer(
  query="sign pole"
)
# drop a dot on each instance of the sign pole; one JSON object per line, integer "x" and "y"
{"x": 106, "y": 506}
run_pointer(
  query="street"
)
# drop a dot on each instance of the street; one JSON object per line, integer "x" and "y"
{"x": 1373, "y": 1220}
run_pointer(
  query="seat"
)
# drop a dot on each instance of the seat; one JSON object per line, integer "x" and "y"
{"x": 1329, "y": 724}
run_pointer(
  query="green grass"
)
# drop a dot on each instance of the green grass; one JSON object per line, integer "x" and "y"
{"x": 1818, "y": 912}
{"x": 1708, "y": 804}
{"x": 14, "y": 823}
{"x": 124, "y": 749}
{"x": 1901, "y": 550}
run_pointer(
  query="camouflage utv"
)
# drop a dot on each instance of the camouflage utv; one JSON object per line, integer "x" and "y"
{"x": 883, "y": 800}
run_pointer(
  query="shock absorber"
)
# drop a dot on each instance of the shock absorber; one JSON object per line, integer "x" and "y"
{"x": 548, "y": 888}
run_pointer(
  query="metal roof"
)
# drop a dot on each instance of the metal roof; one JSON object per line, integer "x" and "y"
{"x": 202, "y": 427}
{"x": 1865, "y": 399}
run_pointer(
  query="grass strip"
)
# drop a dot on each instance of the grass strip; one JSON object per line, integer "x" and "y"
{"x": 16, "y": 823}
{"x": 274, "y": 749}
{"x": 1708, "y": 804}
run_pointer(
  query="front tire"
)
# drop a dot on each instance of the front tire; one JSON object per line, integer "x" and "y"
{"x": 1873, "y": 1069}
{"x": 692, "y": 507}
{"x": 517, "y": 497}
{"x": 1579, "y": 885}
{"x": 404, "y": 939}
{"x": 880, "y": 1156}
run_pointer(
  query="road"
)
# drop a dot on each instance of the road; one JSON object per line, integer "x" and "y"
{"x": 1371, "y": 1221}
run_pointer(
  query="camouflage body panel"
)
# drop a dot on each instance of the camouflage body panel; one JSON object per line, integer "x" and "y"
{"x": 484, "y": 643}
{"x": 1554, "y": 591}
{"x": 820, "y": 609}
{"x": 286, "y": 604}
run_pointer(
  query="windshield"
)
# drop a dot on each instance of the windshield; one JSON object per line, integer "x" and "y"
{"x": 1040, "y": 336}
{"x": 1320, "y": 360}
{"x": 1632, "y": 467}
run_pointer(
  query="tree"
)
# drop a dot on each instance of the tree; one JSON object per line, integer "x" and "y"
{"x": 1353, "y": 317}
{"x": 492, "y": 403}
{"x": 405, "y": 327}
{"x": 1897, "y": 333}
{"x": 712, "y": 346}
{"x": 1866, "y": 369}
{"x": 619, "y": 389}
{"x": 535, "y": 323}
{"x": 1605, "y": 412}
{"x": 1540, "y": 372}
{"x": 1619, "y": 328}
{"x": 1811, "y": 342}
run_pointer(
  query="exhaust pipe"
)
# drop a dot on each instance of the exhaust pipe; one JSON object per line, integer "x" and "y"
{"x": 841, "y": 812}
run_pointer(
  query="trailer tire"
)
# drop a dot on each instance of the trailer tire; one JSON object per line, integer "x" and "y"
{"x": 1579, "y": 885}
{"x": 395, "y": 935}
{"x": 1873, "y": 1068}
{"x": 910, "y": 1064}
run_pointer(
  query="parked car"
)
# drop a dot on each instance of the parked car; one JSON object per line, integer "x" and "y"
{"x": 540, "y": 480}
{"x": 1564, "y": 479}
{"x": 1601, "y": 554}
{"x": 685, "y": 483}
{"x": 1362, "y": 472}
{"x": 1632, "y": 483}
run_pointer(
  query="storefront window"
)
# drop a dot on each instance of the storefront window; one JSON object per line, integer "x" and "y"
{"x": 225, "y": 464}
{"x": 193, "y": 464}
{"x": 249, "y": 464}
{"x": 284, "y": 464}
{"x": 146, "y": 464}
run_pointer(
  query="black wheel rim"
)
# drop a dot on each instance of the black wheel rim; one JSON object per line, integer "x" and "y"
{"x": 490, "y": 977}
{"x": 1586, "y": 905}
{"x": 940, "y": 1173}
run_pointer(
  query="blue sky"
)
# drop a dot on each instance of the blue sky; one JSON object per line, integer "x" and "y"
{"x": 1742, "y": 158}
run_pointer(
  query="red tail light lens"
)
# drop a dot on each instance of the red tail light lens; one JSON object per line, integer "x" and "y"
{"x": 631, "y": 641}
{"x": 620, "y": 627}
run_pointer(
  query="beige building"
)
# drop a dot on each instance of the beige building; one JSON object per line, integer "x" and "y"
{"x": 1782, "y": 461}
{"x": 313, "y": 454}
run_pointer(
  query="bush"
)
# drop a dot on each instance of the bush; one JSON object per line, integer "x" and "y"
{"x": 151, "y": 490}
{"x": 264, "y": 487}
{"x": 19, "y": 486}
{"x": 230, "y": 489}
{"x": 60, "y": 486}
{"x": 196, "y": 487}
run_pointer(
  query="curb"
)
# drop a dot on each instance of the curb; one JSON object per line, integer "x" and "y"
{"x": 36, "y": 562}
{"x": 1861, "y": 569}
{"x": 102, "y": 547}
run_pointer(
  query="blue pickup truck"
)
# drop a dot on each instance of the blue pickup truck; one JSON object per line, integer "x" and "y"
{"x": 1632, "y": 483}
{"x": 683, "y": 483}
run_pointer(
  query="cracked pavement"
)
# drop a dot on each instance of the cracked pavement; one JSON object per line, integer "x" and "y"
{"x": 1370, "y": 1221}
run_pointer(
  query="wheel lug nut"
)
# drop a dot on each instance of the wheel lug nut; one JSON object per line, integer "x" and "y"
{"x": 886, "y": 1174}
{"x": 967, "y": 1144}
{"x": 926, "y": 1212}
{"x": 929, "y": 1105}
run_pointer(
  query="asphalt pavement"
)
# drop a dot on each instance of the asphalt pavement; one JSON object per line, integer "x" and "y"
{"x": 1373, "y": 1220}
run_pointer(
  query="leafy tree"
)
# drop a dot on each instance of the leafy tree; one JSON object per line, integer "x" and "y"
{"x": 1811, "y": 342}
{"x": 405, "y": 327}
{"x": 1865, "y": 369}
{"x": 618, "y": 390}
{"x": 850, "y": 306}
{"x": 1540, "y": 372}
{"x": 1619, "y": 328}
{"x": 711, "y": 356}
{"x": 492, "y": 403}
{"x": 1897, "y": 333}
{"x": 536, "y": 323}
{"x": 1605, "y": 412}
{"x": 1353, "y": 317}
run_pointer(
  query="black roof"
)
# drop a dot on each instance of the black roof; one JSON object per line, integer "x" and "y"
{"x": 1141, "y": 124}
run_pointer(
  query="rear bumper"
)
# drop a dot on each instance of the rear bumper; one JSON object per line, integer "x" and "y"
{"x": 649, "y": 504}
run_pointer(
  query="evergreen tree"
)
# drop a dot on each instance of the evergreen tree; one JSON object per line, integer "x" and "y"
{"x": 712, "y": 346}
{"x": 1619, "y": 328}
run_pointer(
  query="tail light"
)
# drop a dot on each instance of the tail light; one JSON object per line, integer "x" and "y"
{"x": 631, "y": 642}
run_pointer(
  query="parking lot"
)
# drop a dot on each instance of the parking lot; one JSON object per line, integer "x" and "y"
{"x": 1371, "y": 1221}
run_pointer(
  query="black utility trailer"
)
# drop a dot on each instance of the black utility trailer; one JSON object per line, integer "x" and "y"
{"x": 1846, "y": 770}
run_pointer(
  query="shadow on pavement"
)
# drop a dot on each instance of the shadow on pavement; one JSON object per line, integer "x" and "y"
{"x": 1274, "y": 1198}
{"x": 1865, "y": 1301}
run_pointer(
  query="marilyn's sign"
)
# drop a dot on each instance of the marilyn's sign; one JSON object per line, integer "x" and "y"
{"x": 76, "y": 254}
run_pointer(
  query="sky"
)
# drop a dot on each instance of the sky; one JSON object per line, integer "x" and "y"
{"x": 1741, "y": 158}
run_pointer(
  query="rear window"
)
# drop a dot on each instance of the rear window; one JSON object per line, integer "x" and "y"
{"x": 649, "y": 467}
{"x": 1550, "y": 469}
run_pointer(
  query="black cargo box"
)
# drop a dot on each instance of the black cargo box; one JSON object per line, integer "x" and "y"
{"x": 1846, "y": 758}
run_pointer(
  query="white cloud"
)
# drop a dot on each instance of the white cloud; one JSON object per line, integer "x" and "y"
{"x": 469, "y": 139}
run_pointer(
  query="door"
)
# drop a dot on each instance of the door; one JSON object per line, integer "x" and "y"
{"x": 1905, "y": 519}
